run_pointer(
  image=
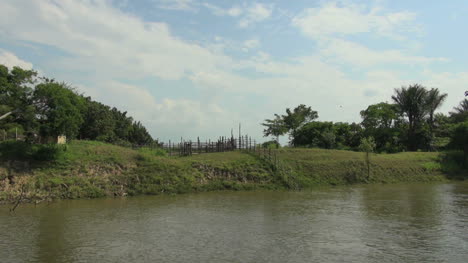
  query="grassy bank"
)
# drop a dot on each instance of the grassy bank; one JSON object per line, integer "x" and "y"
{"x": 85, "y": 169}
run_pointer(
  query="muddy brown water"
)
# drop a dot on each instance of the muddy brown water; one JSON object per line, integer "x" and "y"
{"x": 379, "y": 223}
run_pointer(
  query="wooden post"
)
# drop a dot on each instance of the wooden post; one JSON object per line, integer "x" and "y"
{"x": 240, "y": 138}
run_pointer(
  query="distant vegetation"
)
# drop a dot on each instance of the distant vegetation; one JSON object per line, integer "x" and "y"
{"x": 39, "y": 108}
{"x": 410, "y": 123}
{"x": 89, "y": 169}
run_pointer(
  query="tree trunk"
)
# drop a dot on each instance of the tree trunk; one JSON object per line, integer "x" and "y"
{"x": 5, "y": 115}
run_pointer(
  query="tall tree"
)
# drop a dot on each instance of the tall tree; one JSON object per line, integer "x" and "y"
{"x": 16, "y": 95}
{"x": 434, "y": 100}
{"x": 274, "y": 127}
{"x": 299, "y": 116}
{"x": 460, "y": 113}
{"x": 315, "y": 134}
{"x": 381, "y": 121}
{"x": 59, "y": 109}
{"x": 99, "y": 122}
{"x": 412, "y": 103}
{"x": 139, "y": 135}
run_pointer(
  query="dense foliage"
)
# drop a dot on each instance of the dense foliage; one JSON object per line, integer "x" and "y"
{"x": 40, "y": 109}
{"x": 410, "y": 123}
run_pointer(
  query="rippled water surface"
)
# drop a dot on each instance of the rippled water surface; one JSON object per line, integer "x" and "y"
{"x": 385, "y": 223}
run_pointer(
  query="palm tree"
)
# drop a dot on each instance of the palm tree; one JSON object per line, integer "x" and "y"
{"x": 412, "y": 102}
{"x": 460, "y": 113}
{"x": 433, "y": 101}
{"x": 462, "y": 108}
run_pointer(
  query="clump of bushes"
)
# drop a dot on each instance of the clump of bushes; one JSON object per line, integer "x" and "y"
{"x": 18, "y": 150}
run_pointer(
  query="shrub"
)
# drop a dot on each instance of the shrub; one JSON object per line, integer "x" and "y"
{"x": 48, "y": 152}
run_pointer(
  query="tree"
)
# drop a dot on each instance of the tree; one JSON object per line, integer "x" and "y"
{"x": 383, "y": 122}
{"x": 412, "y": 103}
{"x": 59, "y": 109}
{"x": 139, "y": 135}
{"x": 16, "y": 96}
{"x": 433, "y": 101}
{"x": 315, "y": 134}
{"x": 52, "y": 109}
{"x": 367, "y": 145}
{"x": 99, "y": 122}
{"x": 459, "y": 140}
{"x": 460, "y": 113}
{"x": 299, "y": 116}
{"x": 275, "y": 127}
{"x": 123, "y": 124}
{"x": 347, "y": 136}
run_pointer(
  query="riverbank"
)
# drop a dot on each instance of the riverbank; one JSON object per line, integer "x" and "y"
{"x": 86, "y": 169}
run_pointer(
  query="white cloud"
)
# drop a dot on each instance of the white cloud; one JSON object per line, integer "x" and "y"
{"x": 452, "y": 83}
{"x": 218, "y": 11}
{"x": 332, "y": 19}
{"x": 104, "y": 38}
{"x": 342, "y": 51}
{"x": 249, "y": 14}
{"x": 11, "y": 60}
{"x": 256, "y": 13}
{"x": 163, "y": 117}
{"x": 185, "y": 5}
{"x": 250, "y": 44}
{"x": 103, "y": 43}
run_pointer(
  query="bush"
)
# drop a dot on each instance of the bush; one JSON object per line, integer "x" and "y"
{"x": 459, "y": 140}
{"x": 271, "y": 145}
{"x": 452, "y": 162}
{"x": 15, "y": 150}
{"x": 48, "y": 152}
{"x": 18, "y": 150}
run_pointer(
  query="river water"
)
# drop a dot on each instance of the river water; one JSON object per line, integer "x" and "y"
{"x": 380, "y": 223}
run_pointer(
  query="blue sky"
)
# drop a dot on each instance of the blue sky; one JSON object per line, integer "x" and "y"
{"x": 198, "y": 68}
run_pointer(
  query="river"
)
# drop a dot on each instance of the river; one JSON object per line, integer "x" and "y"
{"x": 376, "y": 223}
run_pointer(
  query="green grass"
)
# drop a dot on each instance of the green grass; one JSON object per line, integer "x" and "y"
{"x": 337, "y": 167}
{"x": 88, "y": 169}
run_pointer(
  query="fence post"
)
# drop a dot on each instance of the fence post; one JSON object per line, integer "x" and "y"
{"x": 198, "y": 145}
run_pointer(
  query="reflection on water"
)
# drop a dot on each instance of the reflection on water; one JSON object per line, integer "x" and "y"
{"x": 386, "y": 223}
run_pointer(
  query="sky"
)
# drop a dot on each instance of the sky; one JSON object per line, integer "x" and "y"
{"x": 188, "y": 68}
